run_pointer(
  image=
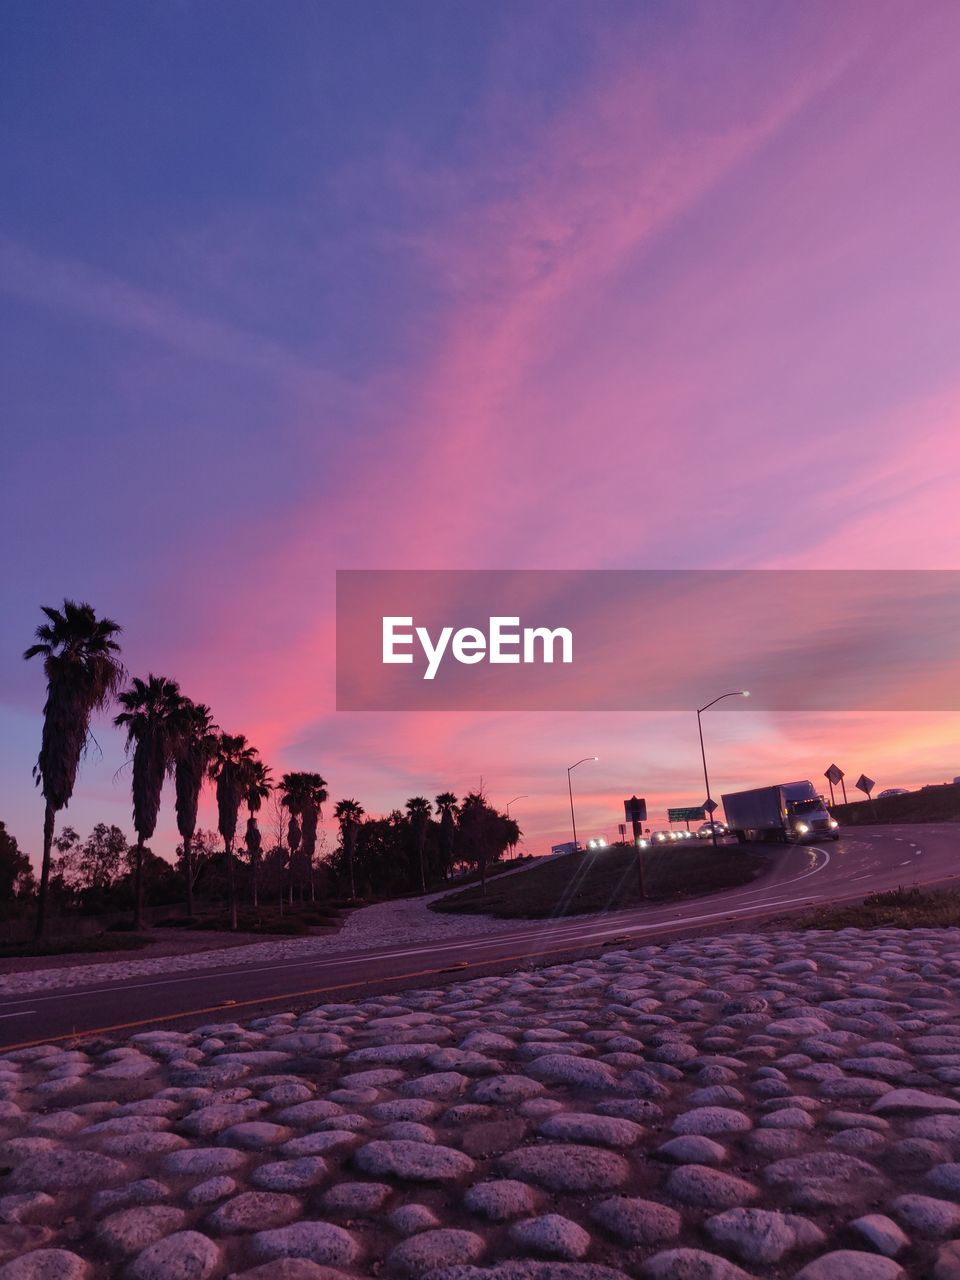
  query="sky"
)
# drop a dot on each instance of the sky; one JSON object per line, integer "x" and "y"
{"x": 286, "y": 289}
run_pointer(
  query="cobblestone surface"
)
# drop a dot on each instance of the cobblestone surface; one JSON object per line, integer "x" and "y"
{"x": 769, "y": 1106}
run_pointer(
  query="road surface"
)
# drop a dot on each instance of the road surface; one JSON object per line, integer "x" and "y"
{"x": 863, "y": 861}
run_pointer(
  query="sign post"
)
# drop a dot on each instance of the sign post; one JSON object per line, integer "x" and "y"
{"x": 866, "y": 785}
{"x": 834, "y": 775}
{"x": 635, "y": 812}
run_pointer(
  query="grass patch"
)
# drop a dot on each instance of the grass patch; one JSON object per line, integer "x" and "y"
{"x": 901, "y": 908}
{"x": 606, "y": 880}
{"x": 930, "y": 804}
{"x": 74, "y": 946}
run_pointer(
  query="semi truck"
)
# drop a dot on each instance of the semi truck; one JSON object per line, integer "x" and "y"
{"x": 787, "y": 811}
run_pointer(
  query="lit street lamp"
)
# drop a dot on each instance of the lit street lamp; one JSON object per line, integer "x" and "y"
{"x": 514, "y": 801}
{"x": 737, "y": 693}
{"x": 573, "y": 820}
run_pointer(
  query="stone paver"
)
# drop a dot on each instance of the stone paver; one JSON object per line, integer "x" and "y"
{"x": 752, "y": 1105}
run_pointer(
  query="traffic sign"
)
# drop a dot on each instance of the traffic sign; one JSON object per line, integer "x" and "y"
{"x": 834, "y": 774}
{"x": 688, "y": 814}
{"x": 635, "y": 809}
{"x": 710, "y": 806}
{"x": 865, "y": 784}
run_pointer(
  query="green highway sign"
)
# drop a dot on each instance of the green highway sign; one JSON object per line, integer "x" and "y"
{"x": 690, "y": 814}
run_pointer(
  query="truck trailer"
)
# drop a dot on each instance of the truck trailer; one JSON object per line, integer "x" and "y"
{"x": 788, "y": 811}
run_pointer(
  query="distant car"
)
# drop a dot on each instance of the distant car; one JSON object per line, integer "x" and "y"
{"x": 892, "y": 791}
{"x": 597, "y": 842}
{"x": 660, "y": 837}
{"x": 706, "y": 831}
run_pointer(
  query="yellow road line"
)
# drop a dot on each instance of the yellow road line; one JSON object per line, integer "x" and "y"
{"x": 290, "y": 995}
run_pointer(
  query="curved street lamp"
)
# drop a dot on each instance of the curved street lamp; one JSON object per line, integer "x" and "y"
{"x": 736, "y": 693}
{"x": 573, "y": 820}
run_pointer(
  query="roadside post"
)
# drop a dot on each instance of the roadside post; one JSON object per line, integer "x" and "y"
{"x": 866, "y": 785}
{"x": 635, "y": 812}
{"x": 834, "y": 775}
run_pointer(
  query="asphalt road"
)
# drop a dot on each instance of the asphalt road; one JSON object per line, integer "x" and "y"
{"x": 862, "y": 861}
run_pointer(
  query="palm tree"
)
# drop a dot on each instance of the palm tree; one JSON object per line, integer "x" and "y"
{"x": 303, "y": 794}
{"x": 257, "y": 785}
{"x": 83, "y": 672}
{"x": 229, "y": 769}
{"x": 195, "y": 740}
{"x": 150, "y": 714}
{"x": 446, "y": 803}
{"x": 419, "y": 811}
{"x": 349, "y": 814}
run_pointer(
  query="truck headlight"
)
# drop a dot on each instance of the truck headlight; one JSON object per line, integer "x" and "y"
{"x": 802, "y": 828}
{"x": 834, "y": 823}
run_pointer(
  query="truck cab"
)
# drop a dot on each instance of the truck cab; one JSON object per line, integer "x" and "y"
{"x": 806, "y": 813}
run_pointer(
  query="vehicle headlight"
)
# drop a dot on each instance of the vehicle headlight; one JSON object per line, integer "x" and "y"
{"x": 802, "y": 828}
{"x": 834, "y": 823}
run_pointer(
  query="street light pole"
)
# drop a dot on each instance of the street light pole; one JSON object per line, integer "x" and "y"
{"x": 573, "y": 820}
{"x": 737, "y": 693}
{"x": 514, "y": 801}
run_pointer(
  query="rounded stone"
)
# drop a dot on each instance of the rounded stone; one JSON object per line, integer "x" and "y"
{"x": 927, "y": 1215}
{"x": 761, "y": 1236}
{"x": 607, "y": 1131}
{"x": 187, "y": 1255}
{"x": 415, "y": 1161}
{"x": 552, "y": 1235}
{"x": 65, "y": 1170}
{"x": 691, "y": 1264}
{"x": 710, "y": 1121}
{"x": 254, "y": 1211}
{"x": 851, "y": 1264}
{"x": 566, "y": 1167}
{"x": 637, "y": 1221}
{"x": 881, "y": 1233}
{"x": 318, "y": 1241}
{"x": 290, "y": 1175}
{"x": 706, "y": 1188}
{"x": 46, "y": 1264}
{"x": 825, "y": 1179}
{"x": 501, "y": 1200}
{"x": 130, "y": 1230}
{"x": 358, "y": 1199}
{"x": 411, "y": 1218}
{"x": 429, "y": 1250}
{"x": 553, "y": 1068}
{"x": 692, "y": 1148}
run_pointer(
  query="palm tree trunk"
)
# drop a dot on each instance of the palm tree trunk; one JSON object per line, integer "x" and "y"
{"x": 254, "y": 890}
{"x": 353, "y": 887}
{"x": 423, "y": 878}
{"x": 49, "y": 818}
{"x": 138, "y": 886}
{"x": 231, "y": 886}
{"x": 188, "y": 866}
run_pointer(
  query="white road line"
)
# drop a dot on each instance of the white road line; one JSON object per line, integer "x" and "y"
{"x": 551, "y": 930}
{"x": 18, "y": 1015}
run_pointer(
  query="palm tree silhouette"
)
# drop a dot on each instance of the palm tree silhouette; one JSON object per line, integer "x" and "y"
{"x": 446, "y": 803}
{"x": 303, "y": 794}
{"x": 257, "y": 785}
{"x": 349, "y": 814}
{"x": 195, "y": 741}
{"x": 150, "y": 711}
{"x": 83, "y": 673}
{"x": 229, "y": 770}
{"x": 419, "y": 811}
